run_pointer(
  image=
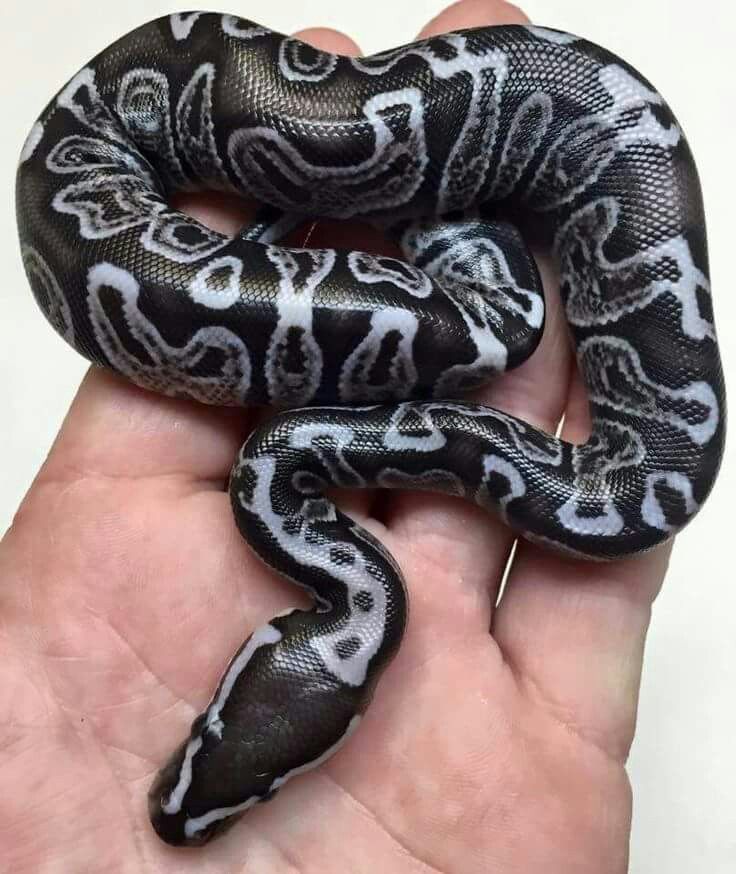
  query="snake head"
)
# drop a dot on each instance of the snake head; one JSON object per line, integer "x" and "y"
{"x": 198, "y": 795}
{"x": 172, "y": 813}
{"x": 277, "y": 713}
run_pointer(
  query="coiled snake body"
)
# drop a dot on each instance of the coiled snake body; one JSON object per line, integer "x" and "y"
{"x": 433, "y": 142}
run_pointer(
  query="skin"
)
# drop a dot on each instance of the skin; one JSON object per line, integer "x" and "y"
{"x": 126, "y": 588}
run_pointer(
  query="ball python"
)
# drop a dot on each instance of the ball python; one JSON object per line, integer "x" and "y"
{"x": 449, "y": 146}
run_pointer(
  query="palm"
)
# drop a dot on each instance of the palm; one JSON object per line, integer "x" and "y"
{"x": 126, "y": 588}
{"x": 124, "y": 610}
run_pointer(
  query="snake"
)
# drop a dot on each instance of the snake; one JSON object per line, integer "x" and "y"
{"x": 459, "y": 149}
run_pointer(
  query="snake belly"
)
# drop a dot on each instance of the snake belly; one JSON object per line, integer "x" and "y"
{"x": 447, "y": 145}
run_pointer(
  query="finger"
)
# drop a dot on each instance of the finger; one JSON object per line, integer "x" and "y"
{"x": 329, "y": 40}
{"x": 115, "y": 429}
{"x": 573, "y": 631}
{"x": 473, "y": 13}
{"x": 448, "y": 533}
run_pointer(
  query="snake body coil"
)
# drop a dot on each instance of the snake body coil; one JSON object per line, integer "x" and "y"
{"x": 431, "y": 142}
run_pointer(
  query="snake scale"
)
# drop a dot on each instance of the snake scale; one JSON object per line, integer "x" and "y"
{"x": 448, "y": 146}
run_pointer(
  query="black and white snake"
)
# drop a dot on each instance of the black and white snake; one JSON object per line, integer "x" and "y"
{"x": 440, "y": 144}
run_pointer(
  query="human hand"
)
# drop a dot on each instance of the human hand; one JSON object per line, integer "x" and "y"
{"x": 126, "y": 588}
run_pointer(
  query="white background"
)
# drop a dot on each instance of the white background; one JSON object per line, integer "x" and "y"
{"x": 683, "y": 764}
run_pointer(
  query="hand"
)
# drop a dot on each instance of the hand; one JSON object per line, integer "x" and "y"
{"x": 126, "y": 588}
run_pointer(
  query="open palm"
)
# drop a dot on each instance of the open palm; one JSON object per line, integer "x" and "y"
{"x": 126, "y": 588}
